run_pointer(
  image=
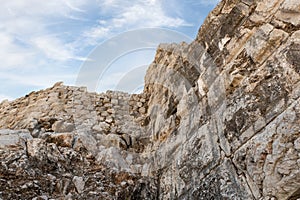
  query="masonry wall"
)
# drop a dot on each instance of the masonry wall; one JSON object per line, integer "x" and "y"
{"x": 111, "y": 117}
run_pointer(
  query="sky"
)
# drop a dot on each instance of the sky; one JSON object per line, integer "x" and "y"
{"x": 43, "y": 42}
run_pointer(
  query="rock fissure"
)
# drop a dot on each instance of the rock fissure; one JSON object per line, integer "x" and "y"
{"x": 261, "y": 129}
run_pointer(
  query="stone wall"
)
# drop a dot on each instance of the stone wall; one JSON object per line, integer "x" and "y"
{"x": 218, "y": 119}
{"x": 67, "y": 109}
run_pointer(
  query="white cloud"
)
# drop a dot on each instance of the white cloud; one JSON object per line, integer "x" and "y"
{"x": 53, "y": 48}
{"x": 24, "y": 24}
{"x": 12, "y": 55}
{"x": 127, "y": 14}
{"x": 38, "y": 37}
{"x": 96, "y": 32}
{"x": 40, "y": 8}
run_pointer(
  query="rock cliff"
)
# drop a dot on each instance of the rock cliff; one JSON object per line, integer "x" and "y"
{"x": 218, "y": 119}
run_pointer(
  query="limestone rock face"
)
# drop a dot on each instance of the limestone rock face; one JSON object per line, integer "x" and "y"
{"x": 218, "y": 119}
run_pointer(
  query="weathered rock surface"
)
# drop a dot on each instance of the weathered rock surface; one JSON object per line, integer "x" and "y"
{"x": 218, "y": 119}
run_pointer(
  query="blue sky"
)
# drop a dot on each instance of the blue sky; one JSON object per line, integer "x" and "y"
{"x": 43, "y": 42}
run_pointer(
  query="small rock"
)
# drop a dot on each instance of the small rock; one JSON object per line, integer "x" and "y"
{"x": 139, "y": 104}
{"x": 97, "y": 128}
{"x": 115, "y": 101}
{"x": 111, "y": 111}
{"x": 62, "y": 127}
{"x": 142, "y": 110}
{"x": 297, "y": 144}
{"x": 123, "y": 183}
{"x": 109, "y": 120}
{"x": 79, "y": 184}
{"x": 104, "y": 114}
{"x": 61, "y": 139}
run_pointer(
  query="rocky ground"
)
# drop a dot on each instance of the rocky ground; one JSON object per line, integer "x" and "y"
{"x": 218, "y": 119}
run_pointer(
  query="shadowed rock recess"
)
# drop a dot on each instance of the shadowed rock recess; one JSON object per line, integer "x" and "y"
{"x": 218, "y": 119}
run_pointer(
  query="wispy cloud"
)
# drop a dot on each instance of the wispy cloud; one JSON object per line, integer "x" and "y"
{"x": 12, "y": 54}
{"x": 34, "y": 49}
{"x": 53, "y": 48}
{"x": 126, "y": 14}
{"x": 23, "y": 32}
{"x": 47, "y": 41}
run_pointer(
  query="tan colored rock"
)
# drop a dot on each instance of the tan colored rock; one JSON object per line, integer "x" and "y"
{"x": 114, "y": 101}
{"x": 33, "y": 147}
{"x": 61, "y": 139}
{"x": 139, "y": 104}
{"x": 62, "y": 126}
{"x": 289, "y": 12}
{"x": 142, "y": 110}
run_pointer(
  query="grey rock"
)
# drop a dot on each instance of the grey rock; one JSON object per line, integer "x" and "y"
{"x": 62, "y": 127}
{"x": 79, "y": 183}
